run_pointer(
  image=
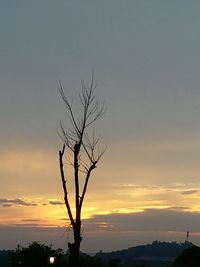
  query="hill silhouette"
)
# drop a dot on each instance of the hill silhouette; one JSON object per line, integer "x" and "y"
{"x": 158, "y": 254}
{"x": 190, "y": 257}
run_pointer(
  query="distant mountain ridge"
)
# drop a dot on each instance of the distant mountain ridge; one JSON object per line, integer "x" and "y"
{"x": 162, "y": 253}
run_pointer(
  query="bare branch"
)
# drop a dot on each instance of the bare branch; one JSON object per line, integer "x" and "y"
{"x": 68, "y": 106}
{"x": 101, "y": 153}
{"x": 61, "y": 153}
{"x": 92, "y": 167}
{"x": 96, "y": 113}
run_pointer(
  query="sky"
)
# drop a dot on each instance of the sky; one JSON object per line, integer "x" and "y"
{"x": 146, "y": 60}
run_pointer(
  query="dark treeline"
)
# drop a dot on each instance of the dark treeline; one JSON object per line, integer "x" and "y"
{"x": 157, "y": 254}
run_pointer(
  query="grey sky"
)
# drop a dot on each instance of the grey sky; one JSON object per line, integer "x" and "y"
{"x": 146, "y": 59}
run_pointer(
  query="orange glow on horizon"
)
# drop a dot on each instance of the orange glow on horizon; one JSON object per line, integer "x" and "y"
{"x": 43, "y": 207}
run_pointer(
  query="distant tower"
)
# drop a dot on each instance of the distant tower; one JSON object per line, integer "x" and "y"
{"x": 188, "y": 235}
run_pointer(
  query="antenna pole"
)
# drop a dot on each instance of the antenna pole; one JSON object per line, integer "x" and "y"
{"x": 188, "y": 234}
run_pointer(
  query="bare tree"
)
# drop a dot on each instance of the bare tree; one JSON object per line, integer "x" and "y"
{"x": 82, "y": 144}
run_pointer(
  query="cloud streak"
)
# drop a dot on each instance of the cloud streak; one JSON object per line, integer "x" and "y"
{"x": 5, "y": 202}
{"x": 149, "y": 220}
{"x": 55, "y": 202}
{"x": 189, "y": 192}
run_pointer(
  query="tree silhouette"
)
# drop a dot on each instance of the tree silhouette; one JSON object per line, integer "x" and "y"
{"x": 35, "y": 255}
{"x": 190, "y": 257}
{"x": 82, "y": 144}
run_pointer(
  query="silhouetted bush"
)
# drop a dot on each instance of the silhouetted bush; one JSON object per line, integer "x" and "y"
{"x": 190, "y": 257}
{"x": 114, "y": 263}
{"x": 35, "y": 255}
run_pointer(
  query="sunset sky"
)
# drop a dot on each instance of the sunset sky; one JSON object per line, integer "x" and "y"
{"x": 146, "y": 59}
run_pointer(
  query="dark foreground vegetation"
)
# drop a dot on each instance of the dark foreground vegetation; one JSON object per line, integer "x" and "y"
{"x": 157, "y": 254}
{"x": 189, "y": 258}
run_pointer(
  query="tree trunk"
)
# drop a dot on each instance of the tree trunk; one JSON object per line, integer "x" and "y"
{"x": 74, "y": 248}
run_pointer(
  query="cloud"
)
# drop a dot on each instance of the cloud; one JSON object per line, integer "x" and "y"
{"x": 6, "y": 205}
{"x": 26, "y": 225}
{"x": 189, "y": 192}
{"x": 149, "y": 220}
{"x": 180, "y": 208}
{"x": 31, "y": 220}
{"x": 5, "y": 202}
{"x": 55, "y": 202}
{"x": 99, "y": 232}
